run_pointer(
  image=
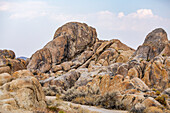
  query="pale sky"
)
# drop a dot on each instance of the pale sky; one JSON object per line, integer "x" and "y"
{"x": 27, "y": 25}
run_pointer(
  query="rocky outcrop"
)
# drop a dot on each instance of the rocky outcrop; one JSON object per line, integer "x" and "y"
{"x": 113, "y": 92}
{"x": 69, "y": 41}
{"x": 8, "y": 63}
{"x": 156, "y": 74}
{"x": 153, "y": 45}
{"x": 79, "y": 67}
{"x": 22, "y": 93}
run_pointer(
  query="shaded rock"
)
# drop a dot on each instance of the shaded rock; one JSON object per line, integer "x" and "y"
{"x": 8, "y": 63}
{"x": 7, "y": 54}
{"x": 84, "y": 78}
{"x": 78, "y": 61}
{"x": 155, "y": 74}
{"x": 122, "y": 70}
{"x": 40, "y": 60}
{"x": 67, "y": 80}
{"x": 52, "y": 90}
{"x": 153, "y": 45}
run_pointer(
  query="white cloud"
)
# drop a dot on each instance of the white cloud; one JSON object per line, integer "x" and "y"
{"x": 29, "y": 9}
{"x": 120, "y": 15}
{"x": 108, "y": 24}
{"x": 4, "y": 6}
{"x": 142, "y": 13}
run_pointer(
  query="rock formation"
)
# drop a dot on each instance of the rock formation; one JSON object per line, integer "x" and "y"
{"x": 21, "y": 92}
{"x": 83, "y": 69}
{"x": 8, "y": 62}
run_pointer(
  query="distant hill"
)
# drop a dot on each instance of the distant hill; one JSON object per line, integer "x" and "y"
{"x": 24, "y": 58}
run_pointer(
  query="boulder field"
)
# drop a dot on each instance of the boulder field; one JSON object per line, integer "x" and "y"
{"x": 78, "y": 67}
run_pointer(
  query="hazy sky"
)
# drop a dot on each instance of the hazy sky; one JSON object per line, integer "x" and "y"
{"x": 27, "y": 25}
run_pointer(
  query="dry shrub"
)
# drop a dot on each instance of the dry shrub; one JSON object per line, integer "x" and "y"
{"x": 153, "y": 109}
{"x": 162, "y": 99}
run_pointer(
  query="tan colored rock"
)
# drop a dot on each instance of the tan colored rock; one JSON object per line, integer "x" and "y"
{"x": 120, "y": 46}
{"x": 132, "y": 73}
{"x": 139, "y": 84}
{"x": 56, "y": 68}
{"x": 150, "y": 102}
{"x": 66, "y": 66}
{"x": 10, "y": 65}
{"x": 109, "y": 54}
{"x": 69, "y": 40}
{"x": 155, "y": 74}
{"x": 106, "y": 84}
{"x": 7, "y": 107}
{"x": 153, "y": 109}
{"x": 21, "y": 73}
{"x": 5, "y": 69}
{"x": 4, "y": 78}
{"x": 10, "y": 101}
{"x": 26, "y": 92}
{"x": 124, "y": 56}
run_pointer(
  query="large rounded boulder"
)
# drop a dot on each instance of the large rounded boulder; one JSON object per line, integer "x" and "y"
{"x": 69, "y": 40}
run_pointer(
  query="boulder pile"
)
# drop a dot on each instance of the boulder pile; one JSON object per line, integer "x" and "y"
{"x": 80, "y": 68}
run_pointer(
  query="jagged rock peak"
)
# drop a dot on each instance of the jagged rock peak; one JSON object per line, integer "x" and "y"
{"x": 153, "y": 45}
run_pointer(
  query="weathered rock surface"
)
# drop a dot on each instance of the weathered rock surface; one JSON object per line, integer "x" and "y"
{"x": 86, "y": 70}
{"x": 153, "y": 45}
{"x": 156, "y": 75}
{"x": 8, "y": 63}
{"x": 22, "y": 93}
{"x": 4, "y": 78}
{"x": 69, "y": 40}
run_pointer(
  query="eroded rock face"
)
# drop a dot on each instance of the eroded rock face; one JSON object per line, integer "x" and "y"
{"x": 156, "y": 74}
{"x": 153, "y": 45}
{"x": 69, "y": 40}
{"x": 22, "y": 93}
